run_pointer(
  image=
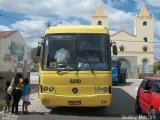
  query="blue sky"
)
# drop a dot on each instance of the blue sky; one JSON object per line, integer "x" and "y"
{"x": 29, "y": 17}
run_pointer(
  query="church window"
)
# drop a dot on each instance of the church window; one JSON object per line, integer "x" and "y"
{"x": 145, "y": 49}
{"x": 145, "y": 66}
{"x": 144, "y": 23}
{"x": 121, "y": 48}
{"x": 99, "y": 22}
{"x": 145, "y": 39}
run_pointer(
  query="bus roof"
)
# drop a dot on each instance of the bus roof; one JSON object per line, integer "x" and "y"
{"x": 77, "y": 29}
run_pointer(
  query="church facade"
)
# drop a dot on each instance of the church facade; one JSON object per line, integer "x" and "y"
{"x": 135, "y": 51}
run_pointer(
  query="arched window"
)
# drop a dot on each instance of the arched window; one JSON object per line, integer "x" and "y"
{"x": 145, "y": 39}
{"x": 145, "y": 49}
{"x": 121, "y": 48}
{"x": 145, "y": 66}
{"x": 99, "y": 22}
{"x": 144, "y": 23}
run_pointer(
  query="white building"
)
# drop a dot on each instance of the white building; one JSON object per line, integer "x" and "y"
{"x": 135, "y": 51}
{"x": 14, "y": 53}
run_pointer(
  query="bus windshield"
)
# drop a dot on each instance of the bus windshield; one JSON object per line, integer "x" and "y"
{"x": 76, "y": 52}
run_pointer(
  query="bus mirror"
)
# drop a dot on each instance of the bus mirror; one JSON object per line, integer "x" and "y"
{"x": 114, "y": 47}
{"x": 38, "y": 50}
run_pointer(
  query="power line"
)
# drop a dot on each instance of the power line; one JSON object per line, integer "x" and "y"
{"x": 11, "y": 19}
{"x": 13, "y": 6}
{"x": 5, "y": 6}
{"x": 21, "y": 19}
{"x": 9, "y": 6}
{"x": 16, "y": 9}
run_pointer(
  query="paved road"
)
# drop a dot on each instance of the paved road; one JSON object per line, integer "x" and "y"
{"x": 123, "y": 102}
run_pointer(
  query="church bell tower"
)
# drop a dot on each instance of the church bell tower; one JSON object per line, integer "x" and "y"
{"x": 99, "y": 18}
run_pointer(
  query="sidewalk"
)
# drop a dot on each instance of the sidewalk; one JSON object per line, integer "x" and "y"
{"x": 35, "y": 108}
{"x": 34, "y": 88}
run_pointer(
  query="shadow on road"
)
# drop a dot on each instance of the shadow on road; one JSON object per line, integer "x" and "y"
{"x": 122, "y": 104}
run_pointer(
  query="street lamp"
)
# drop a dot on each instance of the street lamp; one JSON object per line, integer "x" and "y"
{"x": 60, "y": 22}
{"x": 49, "y": 24}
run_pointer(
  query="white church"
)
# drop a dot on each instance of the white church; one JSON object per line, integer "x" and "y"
{"x": 136, "y": 50}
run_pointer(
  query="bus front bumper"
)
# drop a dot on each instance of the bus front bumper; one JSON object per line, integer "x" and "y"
{"x": 96, "y": 100}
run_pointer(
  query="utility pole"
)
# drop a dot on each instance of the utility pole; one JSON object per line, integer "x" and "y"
{"x": 60, "y": 22}
{"x": 48, "y": 24}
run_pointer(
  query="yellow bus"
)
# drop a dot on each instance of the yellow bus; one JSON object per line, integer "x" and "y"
{"x": 75, "y": 68}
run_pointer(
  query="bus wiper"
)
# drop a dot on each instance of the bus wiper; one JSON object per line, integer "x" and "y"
{"x": 60, "y": 69}
{"x": 77, "y": 71}
{"x": 92, "y": 70}
{"x": 90, "y": 66}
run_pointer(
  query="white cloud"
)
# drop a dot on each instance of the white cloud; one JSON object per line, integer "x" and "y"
{"x": 157, "y": 52}
{"x": 65, "y": 8}
{"x": 117, "y": 2}
{"x": 157, "y": 28}
{"x": 31, "y": 30}
{"x": 112, "y": 31}
{"x": 118, "y": 18}
{"x": 70, "y": 8}
{"x": 73, "y": 8}
{"x": 155, "y": 3}
{"x": 4, "y": 28}
{"x": 157, "y": 47}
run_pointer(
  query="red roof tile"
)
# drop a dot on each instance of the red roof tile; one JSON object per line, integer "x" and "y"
{"x": 5, "y": 34}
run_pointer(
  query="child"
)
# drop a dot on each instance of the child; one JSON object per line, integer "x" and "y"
{"x": 7, "y": 97}
{"x": 25, "y": 95}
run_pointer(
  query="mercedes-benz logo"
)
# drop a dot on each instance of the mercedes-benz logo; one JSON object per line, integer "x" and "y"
{"x": 75, "y": 90}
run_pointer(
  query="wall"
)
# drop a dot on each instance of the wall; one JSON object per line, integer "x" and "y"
{"x": 104, "y": 20}
{"x": 15, "y": 52}
{"x": 133, "y": 48}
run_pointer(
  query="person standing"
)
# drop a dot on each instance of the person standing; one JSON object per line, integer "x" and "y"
{"x": 25, "y": 95}
{"x": 17, "y": 91}
{"x": 7, "y": 98}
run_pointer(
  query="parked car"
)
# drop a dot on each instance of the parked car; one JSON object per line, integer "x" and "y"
{"x": 148, "y": 97}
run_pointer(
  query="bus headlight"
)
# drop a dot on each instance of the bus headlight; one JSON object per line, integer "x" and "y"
{"x": 102, "y": 89}
{"x": 105, "y": 89}
{"x": 45, "y": 89}
{"x": 98, "y": 89}
{"x": 51, "y": 89}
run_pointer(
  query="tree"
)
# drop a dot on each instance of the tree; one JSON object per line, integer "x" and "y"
{"x": 157, "y": 67}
